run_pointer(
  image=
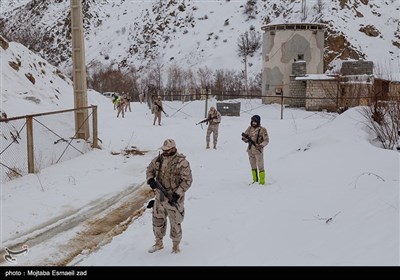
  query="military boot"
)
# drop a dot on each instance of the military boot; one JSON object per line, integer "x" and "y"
{"x": 208, "y": 146}
{"x": 175, "y": 247}
{"x": 262, "y": 177}
{"x": 255, "y": 176}
{"x": 157, "y": 246}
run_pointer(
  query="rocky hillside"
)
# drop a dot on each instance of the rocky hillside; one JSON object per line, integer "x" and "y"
{"x": 198, "y": 33}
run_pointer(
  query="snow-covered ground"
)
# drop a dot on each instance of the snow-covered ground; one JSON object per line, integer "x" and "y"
{"x": 331, "y": 198}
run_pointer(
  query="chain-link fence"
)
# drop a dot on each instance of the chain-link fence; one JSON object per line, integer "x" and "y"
{"x": 31, "y": 143}
{"x": 13, "y": 155}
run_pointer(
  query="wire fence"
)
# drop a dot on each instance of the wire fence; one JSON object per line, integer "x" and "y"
{"x": 179, "y": 95}
{"x": 33, "y": 142}
{"x": 335, "y": 103}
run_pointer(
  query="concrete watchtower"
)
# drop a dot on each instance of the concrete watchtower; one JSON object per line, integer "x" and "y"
{"x": 284, "y": 44}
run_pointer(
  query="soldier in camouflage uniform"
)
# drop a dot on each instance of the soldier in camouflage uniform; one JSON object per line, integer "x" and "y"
{"x": 128, "y": 102}
{"x": 213, "y": 124}
{"x": 258, "y": 140}
{"x": 121, "y": 106}
{"x": 172, "y": 171}
{"x": 157, "y": 109}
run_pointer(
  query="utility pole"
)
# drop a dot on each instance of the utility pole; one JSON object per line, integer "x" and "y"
{"x": 79, "y": 70}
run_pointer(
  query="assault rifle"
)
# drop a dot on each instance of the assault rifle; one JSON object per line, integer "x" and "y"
{"x": 206, "y": 120}
{"x": 161, "y": 109}
{"x": 166, "y": 194}
{"x": 249, "y": 140}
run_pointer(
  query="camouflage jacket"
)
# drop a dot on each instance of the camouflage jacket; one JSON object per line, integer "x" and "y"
{"x": 172, "y": 172}
{"x": 157, "y": 106}
{"x": 259, "y": 135}
{"x": 215, "y": 117}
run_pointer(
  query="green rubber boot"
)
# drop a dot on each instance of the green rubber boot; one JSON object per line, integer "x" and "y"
{"x": 255, "y": 176}
{"x": 262, "y": 177}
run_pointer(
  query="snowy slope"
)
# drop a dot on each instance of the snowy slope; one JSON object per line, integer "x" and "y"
{"x": 332, "y": 193}
{"x": 196, "y": 34}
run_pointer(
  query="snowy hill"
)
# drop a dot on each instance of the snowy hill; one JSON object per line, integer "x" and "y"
{"x": 331, "y": 198}
{"x": 30, "y": 85}
{"x": 196, "y": 34}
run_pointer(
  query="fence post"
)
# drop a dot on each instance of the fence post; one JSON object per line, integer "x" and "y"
{"x": 282, "y": 106}
{"x": 29, "y": 135}
{"x": 94, "y": 120}
{"x": 206, "y": 104}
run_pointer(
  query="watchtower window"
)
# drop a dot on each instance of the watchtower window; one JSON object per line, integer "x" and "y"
{"x": 300, "y": 57}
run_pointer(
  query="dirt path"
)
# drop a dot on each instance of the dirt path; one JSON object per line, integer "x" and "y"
{"x": 97, "y": 224}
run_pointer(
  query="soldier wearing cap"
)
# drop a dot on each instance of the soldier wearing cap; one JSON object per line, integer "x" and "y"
{"x": 157, "y": 109}
{"x": 172, "y": 171}
{"x": 257, "y": 138}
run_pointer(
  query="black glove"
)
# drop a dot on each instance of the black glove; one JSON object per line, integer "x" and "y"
{"x": 152, "y": 183}
{"x": 175, "y": 198}
{"x": 150, "y": 204}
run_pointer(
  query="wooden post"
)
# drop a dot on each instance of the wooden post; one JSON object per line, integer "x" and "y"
{"x": 29, "y": 135}
{"x": 79, "y": 70}
{"x": 282, "y": 106}
{"x": 94, "y": 120}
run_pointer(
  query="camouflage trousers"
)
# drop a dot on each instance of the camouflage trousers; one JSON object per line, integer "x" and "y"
{"x": 157, "y": 115}
{"x": 162, "y": 211}
{"x": 212, "y": 128}
{"x": 128, "y": 106}
{"x": 256, "y": 159}
{"x": 120, "y": 109}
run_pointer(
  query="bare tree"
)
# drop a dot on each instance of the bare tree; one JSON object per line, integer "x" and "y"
{"x": 105, "y": 79}
{"x": 250, "y": 9}
{"x": 175, "y": 80}
{"x": 319, "y": 6}
{"x": 154, "y": 75}
{"x": 248, "y": 43}
{"x": 255, "y": 84}
{"x": 233, "y": 83}
{"x": 190, "y": 84}
{"x": 205, "y": 77}
{"x": 383, "y": 118}
{"x": 134, "y": 82}
{"x": 219, "y": 80}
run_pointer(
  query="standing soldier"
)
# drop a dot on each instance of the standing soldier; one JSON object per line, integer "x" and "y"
{"x": 257, "y": 138}
{"x": 171, "y": 172}
{"x": 121, "y": 107}
{"x": 157, "y": 109}
{"x": 115, "y": 100}
{"x": 128, "y": 103}
{"x": 214, "y": 118}
{"x": 141, "y": 97}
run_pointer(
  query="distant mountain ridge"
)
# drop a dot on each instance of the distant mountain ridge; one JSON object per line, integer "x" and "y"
{"x": 199, "y": 33}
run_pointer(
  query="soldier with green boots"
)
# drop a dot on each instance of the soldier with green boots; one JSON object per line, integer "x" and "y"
{"x": 257, "y": 138}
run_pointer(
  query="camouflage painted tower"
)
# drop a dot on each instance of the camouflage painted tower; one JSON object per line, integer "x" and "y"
{"x": 284, "y": 45}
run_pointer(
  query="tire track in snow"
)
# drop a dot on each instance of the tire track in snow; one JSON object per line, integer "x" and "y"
{"x": 97, "y": 222}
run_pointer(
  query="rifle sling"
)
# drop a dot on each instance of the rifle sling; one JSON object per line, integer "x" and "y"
{"x": 160, "y": 160}
{"x": 251, "y": 141}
